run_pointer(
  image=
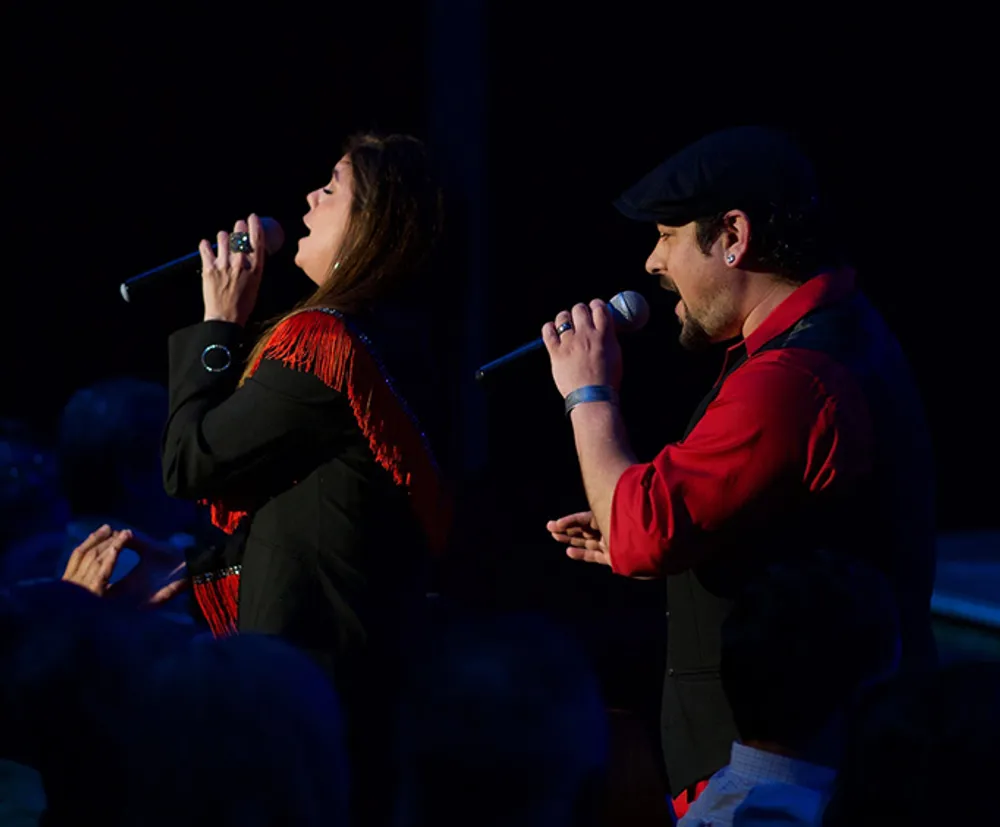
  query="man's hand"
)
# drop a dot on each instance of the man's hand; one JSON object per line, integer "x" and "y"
{"x": 91, "y": 563}
{"x": 159, "y": 575}
{"x": 579, "y": 532}
{"x": 586, "y": 352}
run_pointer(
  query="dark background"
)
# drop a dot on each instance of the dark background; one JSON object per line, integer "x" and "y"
{"x": 133, "y": 135}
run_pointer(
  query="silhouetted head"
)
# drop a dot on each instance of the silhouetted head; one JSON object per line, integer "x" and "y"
{"x": 504, "y": 724}
{"x": 109, "y": 451}
{"x": 243, "y": 731}
{"x": 30, "y": 500}
{"x": 923, "y": 752}
{"x": 72, "y": 667}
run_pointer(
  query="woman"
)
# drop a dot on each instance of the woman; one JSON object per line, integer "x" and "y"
{"x": 311, "y": 456}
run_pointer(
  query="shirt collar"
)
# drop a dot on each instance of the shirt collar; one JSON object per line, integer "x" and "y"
{"x": 760, "y": 767}
{"x": 819, "y": 291}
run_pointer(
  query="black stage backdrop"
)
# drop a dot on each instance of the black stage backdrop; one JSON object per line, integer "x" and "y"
{"x": 136, "y": 134}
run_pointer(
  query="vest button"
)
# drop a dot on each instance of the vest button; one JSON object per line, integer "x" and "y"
{"x": 670, "y": 673}
{"x": 667, "y": 615}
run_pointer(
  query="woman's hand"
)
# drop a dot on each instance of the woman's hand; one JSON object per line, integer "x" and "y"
{"x": 230, "y": 280}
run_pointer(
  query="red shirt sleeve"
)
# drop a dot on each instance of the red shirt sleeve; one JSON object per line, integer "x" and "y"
{"x": 785, "y": 423}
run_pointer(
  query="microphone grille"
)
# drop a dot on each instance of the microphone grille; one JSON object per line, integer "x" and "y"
{"x": 631, "y": 310}
{"x": 274, "y": 235}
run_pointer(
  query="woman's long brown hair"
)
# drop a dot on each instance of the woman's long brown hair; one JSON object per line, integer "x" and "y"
{"x": 394, "y": 224}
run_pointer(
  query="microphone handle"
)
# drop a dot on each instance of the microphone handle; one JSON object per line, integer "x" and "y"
{"x": 503, "y": 360}
{"x": 620, "y": 323}
{"x": 161, "y": 271}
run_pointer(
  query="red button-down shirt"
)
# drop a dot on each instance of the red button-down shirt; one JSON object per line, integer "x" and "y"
{"x": 786, "y": 423}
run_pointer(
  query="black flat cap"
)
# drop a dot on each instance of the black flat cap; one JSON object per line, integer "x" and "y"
{"x": 740, "y": 168}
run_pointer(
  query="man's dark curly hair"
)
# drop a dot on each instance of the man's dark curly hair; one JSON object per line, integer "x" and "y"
{"x": 793, "y": 244}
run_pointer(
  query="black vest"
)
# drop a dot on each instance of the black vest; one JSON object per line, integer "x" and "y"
{"x": 888, "y": 520}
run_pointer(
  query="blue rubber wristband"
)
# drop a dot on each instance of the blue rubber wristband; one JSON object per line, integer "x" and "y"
{"x": 590, "y": 393}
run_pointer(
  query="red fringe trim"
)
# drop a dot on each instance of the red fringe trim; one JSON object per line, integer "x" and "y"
{"x": 320, "y": 343}
{"x": 218, "y": 598}
{"x": 225, "y": 519}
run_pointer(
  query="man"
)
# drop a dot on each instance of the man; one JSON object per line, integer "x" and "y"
{"x": 109, "y": 454}
{"x": 110, "y": 475}
{"x": 813, "y": 435}
{"x": 802, "y": 646}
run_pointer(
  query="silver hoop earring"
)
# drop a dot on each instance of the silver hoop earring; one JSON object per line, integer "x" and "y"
{"x": 336, "y": 265}
{"x": 730, "y": 258}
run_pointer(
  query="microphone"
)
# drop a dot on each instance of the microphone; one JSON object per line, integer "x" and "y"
{"x": 274, "y": 237}
{"x": 629, "y": 310}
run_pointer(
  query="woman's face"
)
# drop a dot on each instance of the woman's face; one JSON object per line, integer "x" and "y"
{"x": 328, "y": 218}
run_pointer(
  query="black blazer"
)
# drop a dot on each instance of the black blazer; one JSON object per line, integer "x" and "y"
{"x": 331, "y": 554}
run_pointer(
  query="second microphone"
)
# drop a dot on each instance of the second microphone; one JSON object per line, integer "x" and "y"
{"x": 628, "y": 308}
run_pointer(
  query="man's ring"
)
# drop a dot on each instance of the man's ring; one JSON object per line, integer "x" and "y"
{"x": 240, "y": 243}
{"x": 563, "y": 328}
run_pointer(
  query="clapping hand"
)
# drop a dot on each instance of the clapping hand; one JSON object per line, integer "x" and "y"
{"x": 159, "y": 575}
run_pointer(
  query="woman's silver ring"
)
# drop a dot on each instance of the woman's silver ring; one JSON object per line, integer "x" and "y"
{"x": 563, "y": 328}
{"x": 240, "y": 243}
